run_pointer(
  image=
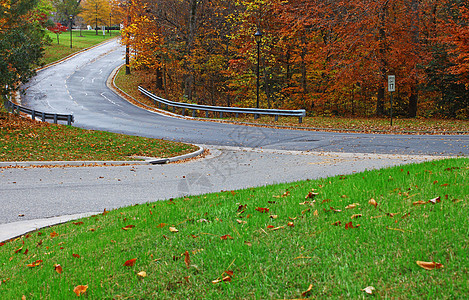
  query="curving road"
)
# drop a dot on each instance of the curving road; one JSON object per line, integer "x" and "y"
{"x": 30, "y": 197}
{"x": 78, "y": 86}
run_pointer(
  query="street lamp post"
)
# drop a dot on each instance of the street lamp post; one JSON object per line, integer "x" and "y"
{"x": 96, "y": 24}
{"x": 258, "y": 38}
{"x": 110, "y": 22}
{"x": 71, "y": 18}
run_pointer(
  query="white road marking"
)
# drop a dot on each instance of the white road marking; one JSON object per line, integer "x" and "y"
{"x": 102, "y": 94}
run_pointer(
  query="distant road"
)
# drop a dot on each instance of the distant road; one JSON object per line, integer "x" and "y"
{"x": 78, "y": 86}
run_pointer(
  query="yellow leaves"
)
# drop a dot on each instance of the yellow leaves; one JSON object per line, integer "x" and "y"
{"x": 187, "y": 259}
{"x": 305, "y": 293}
{"x": 34, "y": 264}
{"x": 373, "y": 202}
{"x": 429, "y": 265}
{"x": 80, "y": 289}
{"x": 352, "y": 206}
{"x": 54, "y": 234}
{"x": 173, "y": 229}
{"x": 128, "y": 227}
{"x": 142, "y": 274}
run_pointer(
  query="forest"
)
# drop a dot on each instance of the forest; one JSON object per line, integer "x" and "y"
{"x": 329, "y": 57}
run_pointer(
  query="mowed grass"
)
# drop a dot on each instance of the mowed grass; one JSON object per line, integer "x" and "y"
{"x": 88, "y": 38}
{"x": 130, "y": 83}
{"x": 270, "y": 242}
{"x": 22, "y": 139}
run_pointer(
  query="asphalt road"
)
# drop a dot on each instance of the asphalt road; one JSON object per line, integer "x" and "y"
{"x": 78, "y": 86}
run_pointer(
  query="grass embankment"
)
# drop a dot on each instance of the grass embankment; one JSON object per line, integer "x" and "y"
{"x": 54, "y": 51}
{"x": 265, "y": 243}
{"x": 129, "y": 84}
{"x": 22, "y": 139}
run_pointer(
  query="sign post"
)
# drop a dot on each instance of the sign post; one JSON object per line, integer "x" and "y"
{"x": 391, "y": 88}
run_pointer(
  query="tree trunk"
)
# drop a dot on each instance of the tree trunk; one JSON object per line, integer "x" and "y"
{"x": 413, "y": 101}
{"x": 382, "y": 61}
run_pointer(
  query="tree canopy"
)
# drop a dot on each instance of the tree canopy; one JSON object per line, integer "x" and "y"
{"x": 21, "y": 41}
{"x": 328, "y": 57}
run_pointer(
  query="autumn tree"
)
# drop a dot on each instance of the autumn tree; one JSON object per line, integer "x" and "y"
{"x": 95, "y": 12}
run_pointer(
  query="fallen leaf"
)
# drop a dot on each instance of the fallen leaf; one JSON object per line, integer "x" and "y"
{"x": 128, "y": 227}
{"x": 311, "y": 195}
{"x": 80, "y": 289}
{"x": 429, "y": 265}
{"x": 305, "y": 211}
{"x": 356, "y": 216}
{"x": 349, "y": 225}
{"x": 435, "y": 200}
{"x": 23, "y": 297}
{"x": 262, "y": 209}
{"x": 270, "y": 226}
{"x": 316, "y": 213}
{"x": 76, "y": 255}
{"x": 334, "y": 210}
{"x": 142, "y": 274}
{"x": 274, "y": 217}
{"x": 161, "y": 225}
{"x": 351, "y": 206}
{"x": 105, "y": 212}
{"x": 227, "y": 278}
{"x": 290, "y": 224}
{"x": 373, "y": 202}
{"x": 277, "y": 228}
{"x": 35, "y": 264}
{"x": 226, "y": 236}
{"x": 203, "y": 221}
{"x": 53, "y": 234}
{"x": 130, "y": 262}
{"x": 241, "y": 221}
{"x": 242, "y": 207}
{"x": 230, "y": 273}
{"x": 248, "y": 243}
{"x": 187, "y": 259}
{"x": 19, "y": 249}
{"x": 337, "y": 223}
{"x": 172, "y": 229}
{"x": 216, "y": 281}
{"x": 307, "y": 291}
{"x": 369, "y": 290}
{"x": 419, "y": 202}
{"x": 77, "y": 223}
{"x": 58, "y": 268}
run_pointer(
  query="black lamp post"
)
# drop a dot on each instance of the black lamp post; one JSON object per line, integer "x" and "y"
{"x": 109, "y": 31}
{"x": 258, "y": 38}
{"x": 96, "y": 24}
{"x": 71, "y": 18}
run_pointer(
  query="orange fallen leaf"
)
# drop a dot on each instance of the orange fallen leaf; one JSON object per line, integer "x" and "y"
{"x": 53, "y": 234}
{"x": 356, "y": 216}
{"x": 274, "y": 217}
{"x": 351, "y": 206}
{"x": 262, "y": 209}
{"x": 248, "y": 243}
{"x": 130, "y": 262}
{"x": 373, "y": 202}
{"x": 105, "y": 212}
{"x": 290, "y": 224}
{"x": 277, "y": 228}
{"x": 128, "y": 227}
{"x": 58, "y": 268}
{"x": 77, "y": 223}
{"x": 311, "y": 195}
{"x": 227, "y": 278}
{"x": 80, "y": 289}
{"x": 226, "y": 236}
{"x": 230, "y": 273}
{"x": 270, "y": 226}
{"x": 35, "y": 264}
{"x": 419, "y": 202}
{"x": 349, "y": 225}
{"x": 161, "y": 225}
{"x": 241, "y": 221}
{"x": 19, "y": 249}
{"x": 336, "y": 223}
{"x": 307, "y": 291}
{"x": 316, "y": 213}
{"x": 187, "y": 259}
{"x": 76, "y": 255}
{"x": 429, "y": 265}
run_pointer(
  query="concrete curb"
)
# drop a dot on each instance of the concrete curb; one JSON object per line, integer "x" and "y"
{"x": 13, "y": 230}
{"x": 147, "y": 161}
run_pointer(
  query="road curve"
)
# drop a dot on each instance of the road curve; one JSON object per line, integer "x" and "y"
{"x": 77, "y": 86}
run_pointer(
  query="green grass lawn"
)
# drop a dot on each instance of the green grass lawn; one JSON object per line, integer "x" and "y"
{"x": 272, "y": 242}
{"x": 88, "y": 38}
{"x": 22, "y": 139}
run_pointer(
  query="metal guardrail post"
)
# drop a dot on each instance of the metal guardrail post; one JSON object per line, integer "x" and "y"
{"x": 33, "y": 115}
{"x": 69, "y": 120}
{"x": 43, "y": 116}
{"x": 55, "y": 118}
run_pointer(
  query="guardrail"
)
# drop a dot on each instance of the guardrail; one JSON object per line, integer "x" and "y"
{"x": 12, "y": 108}
{"x": 300, "y": 113}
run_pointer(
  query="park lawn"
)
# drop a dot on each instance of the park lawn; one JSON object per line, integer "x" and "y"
{"x": 88, "y": 38}
{"x": 22, "y": 139}
{"x": 130, "y": 83}
{"x": 282, "y": 241}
